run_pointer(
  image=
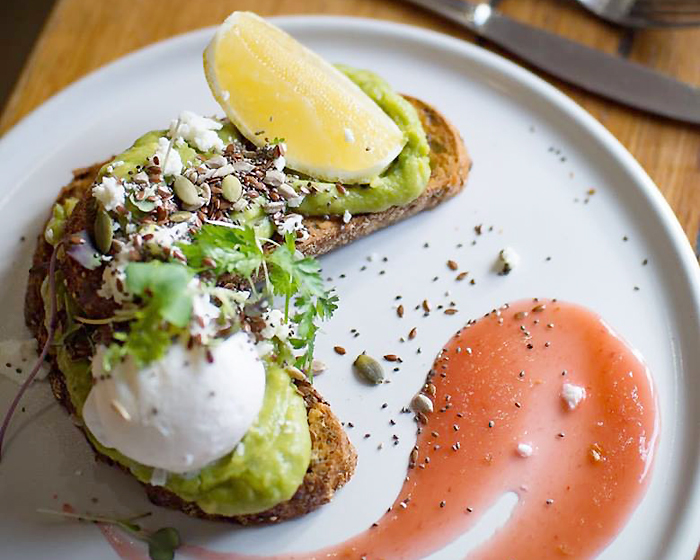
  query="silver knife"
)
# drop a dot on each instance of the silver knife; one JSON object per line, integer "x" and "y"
{"x": 598, "y": 72}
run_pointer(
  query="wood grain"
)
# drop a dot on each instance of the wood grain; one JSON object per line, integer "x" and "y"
{"x": 82, "y": 35}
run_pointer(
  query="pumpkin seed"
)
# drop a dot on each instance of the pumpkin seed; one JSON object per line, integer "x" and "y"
{"x": 146, "y": 206}
{"x": 295, "y": 373}
{"x": 185, "y": 190}
{"x": 369, "y": 368}
{"x": 231, "y": 188}
{"x": 420, "y": 404}
{"x": 103, "y": 231}
{"x": 182, "y": 216}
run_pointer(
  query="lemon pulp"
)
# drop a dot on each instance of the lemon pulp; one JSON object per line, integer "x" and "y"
{"x": 272, "y": 87}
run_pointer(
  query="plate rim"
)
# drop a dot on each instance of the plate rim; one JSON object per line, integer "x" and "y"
{"x": 684, "y": 542}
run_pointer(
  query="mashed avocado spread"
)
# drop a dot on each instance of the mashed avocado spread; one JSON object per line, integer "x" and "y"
{"x": 270, "y": 462}
{"x": 267, "y": 466}
{"x": 402, "y": 182}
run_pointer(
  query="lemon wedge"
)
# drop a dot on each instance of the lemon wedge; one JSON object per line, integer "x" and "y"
{"x": 271, "y": 86}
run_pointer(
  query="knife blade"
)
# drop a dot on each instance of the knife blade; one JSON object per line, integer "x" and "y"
{"x": 595, "y": 71}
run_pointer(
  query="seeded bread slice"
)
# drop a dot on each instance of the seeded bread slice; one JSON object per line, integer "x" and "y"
{"x": 333, "y": 457}
{"x": 449, "y": 166}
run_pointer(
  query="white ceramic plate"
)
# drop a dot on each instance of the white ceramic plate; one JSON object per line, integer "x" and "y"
{"x": 536, "y": 155}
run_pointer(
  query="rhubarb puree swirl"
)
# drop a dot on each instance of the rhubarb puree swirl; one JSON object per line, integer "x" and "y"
{"x": 578, "y": 457}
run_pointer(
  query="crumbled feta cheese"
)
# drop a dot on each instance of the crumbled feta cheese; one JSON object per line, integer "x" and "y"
{"x": 524, "y": 450}
{"x": 291, "y": 223}
{"x": 296, "y": 201}
{"x": 508, "y": 259}
{"x": 225, "y": 95}
{"x": 279, "y": 162}
{"x": 166, "y": 236}
{"x": 17, "y": 357}
{"x": 110, "y": 193}
{"x": 349, "y": 135}
{"x": 347, "y": 216}
{"x": 275, "y": 325}
{"x": 198, "y": 130}
{"x": 114, "y": 277}
{"x": 572, "y": 395}
{"x": 204, "y": 314}
{"x": 174, "y": 164}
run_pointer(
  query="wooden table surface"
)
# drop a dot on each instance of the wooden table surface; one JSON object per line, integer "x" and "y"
{"x": 82, "y": 35}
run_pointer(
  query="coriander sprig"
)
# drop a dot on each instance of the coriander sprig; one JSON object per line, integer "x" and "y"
{"x": 167, "y": 306}
{"x": 162, "y": 543}
{"x": 287, "y": 273}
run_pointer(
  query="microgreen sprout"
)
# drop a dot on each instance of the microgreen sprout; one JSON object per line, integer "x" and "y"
{"x": 162, "y": 543}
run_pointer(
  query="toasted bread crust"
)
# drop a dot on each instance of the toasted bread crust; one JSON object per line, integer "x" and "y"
{"x": 449, "y": 167}
{"x": 333, "y": 458}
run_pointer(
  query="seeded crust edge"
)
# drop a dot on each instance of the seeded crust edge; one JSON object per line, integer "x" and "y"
{"x": 449, "y": 163}
{"x": 333, "y": 458}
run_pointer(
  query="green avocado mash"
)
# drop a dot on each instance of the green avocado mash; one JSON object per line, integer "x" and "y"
{"x": 402, "y": 182}
{"x": 269, "y": 464}
{"x": 266, "y": 468}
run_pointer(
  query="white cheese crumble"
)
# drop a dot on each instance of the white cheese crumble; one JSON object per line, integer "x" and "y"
{"x": 279, "y": 162}
{"x": 292, "y": 223}
{"x": 19, "y": 355}
{"x": 347, "y": 216}
{"x": 198, "y": 130}
{"x": 276, "y": 326}
{"x": 572, "y": 395}
{"x": 524, "y": 450}
{"x": 110, "y": 193}
{"x": 225, "y": 95}
{"x": 166, "y": 236}
{"x": 174, "y": 164}
{"x": 204, "y": 316}
{"x": 114, "y": 277}
{"x": 508, "y": 259}
{"x": 349, "y": 135}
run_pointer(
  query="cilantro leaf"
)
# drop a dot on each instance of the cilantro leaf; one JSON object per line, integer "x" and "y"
{"x": 166, "y": 309}
{"x": 234, "y": 251}
{"x": 166, "y": 286}
{"x": 288, "y": 274}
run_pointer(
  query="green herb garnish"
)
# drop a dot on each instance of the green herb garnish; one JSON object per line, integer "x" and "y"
{"x": 166, "y": 309}
{"x": 162, "y": 543}
{"x": 286, "y": 272}
{"x": 295, "y": 275}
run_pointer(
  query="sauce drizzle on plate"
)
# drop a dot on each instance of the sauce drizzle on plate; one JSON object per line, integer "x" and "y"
{"x": 578, "y": 457}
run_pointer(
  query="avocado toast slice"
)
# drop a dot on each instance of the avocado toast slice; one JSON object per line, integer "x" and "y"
{"x": 332, "y": 455}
